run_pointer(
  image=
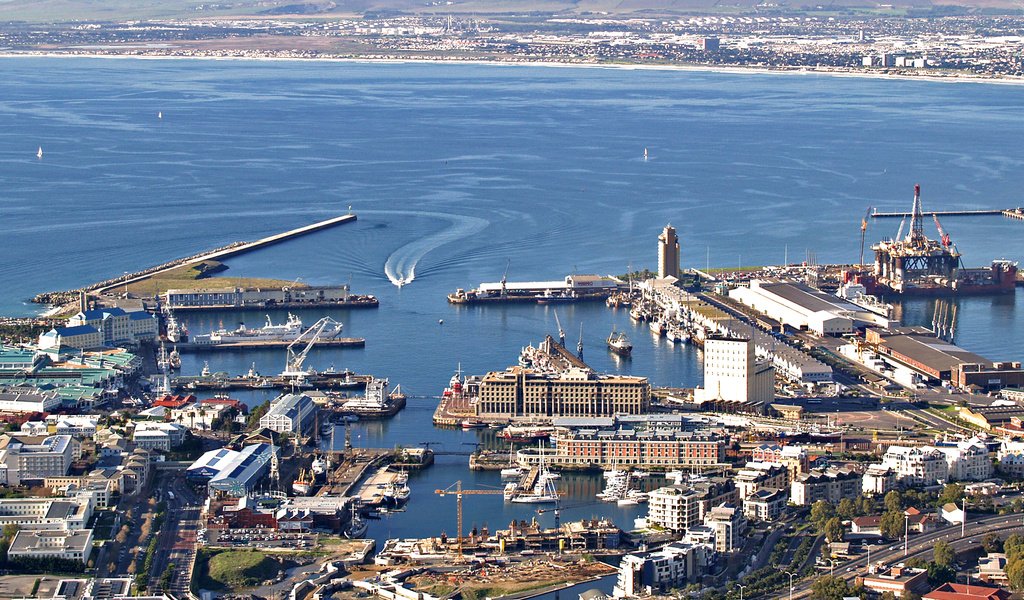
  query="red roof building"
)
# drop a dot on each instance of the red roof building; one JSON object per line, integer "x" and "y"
{"x": 959, "y": 591}
{"x": 174, "y": 401}
{"x": 235, "y": 404}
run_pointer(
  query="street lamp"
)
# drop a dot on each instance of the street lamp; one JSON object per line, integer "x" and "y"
{"x": 742, "y": 587}
{"x": 791, "y": 576}
{"x": 906, "y": 532}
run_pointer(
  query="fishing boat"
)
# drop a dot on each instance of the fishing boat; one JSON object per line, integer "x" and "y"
{"x": 619, "y": 343}
{"x": 396, "y": 493}
{"x": 357, "y": 525}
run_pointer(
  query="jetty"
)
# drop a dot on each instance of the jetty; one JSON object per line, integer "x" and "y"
{"x": 224, "y": 252}
{"x": 1012, "y": 213}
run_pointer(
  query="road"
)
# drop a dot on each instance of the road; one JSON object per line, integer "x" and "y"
{"x": 921, "y": 545}
{"x": 177, "y": 539}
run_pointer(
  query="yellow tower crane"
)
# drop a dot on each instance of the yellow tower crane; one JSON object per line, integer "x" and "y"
{"x": 459, "y": 492}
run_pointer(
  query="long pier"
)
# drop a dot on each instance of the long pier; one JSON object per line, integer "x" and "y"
{"x": 1013, "y": 213}
{"x": 230, "y": 250}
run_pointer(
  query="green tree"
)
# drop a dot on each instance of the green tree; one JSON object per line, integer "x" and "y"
{"x": 821, "y": 511}
{"x": 6, "y": 537}
{"x": 1015, "y": 573}
{"x": 847, "y": 509}
{"x": 891, "y": 525}
{"x": 938, "y": 574}
{"x": 830, "y": 588}
{"x": 953, "y": 492}
{"x": 893, "y": 501}
{"x": 865, "y": 506}
{"x": 992, "y": 543}
{"x": 944, "y": 554}
{"x": 833, "y": 530}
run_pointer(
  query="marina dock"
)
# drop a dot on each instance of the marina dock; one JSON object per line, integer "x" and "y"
{"x": 266, "y": 344}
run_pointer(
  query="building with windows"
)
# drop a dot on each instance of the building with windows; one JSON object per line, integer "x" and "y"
{"x": 73, "y": 545}
{"x": 673, "y": 566}
{"x": 631, "y": 447}
{"x": 917, "y": 466}
{"x": 20, "y": 401}
{"x": 879, "y": 480}
{"x": 103, "y": 327}
{"x": 25, "y": 459}
{"x": 47, "y": 513}
{"x": 680, "y": 507}
{"x": 765, "y": 505}
{"x": 290, "y": 413}
{"x": 794, "y": 458}
{"x": 729, "y": 525}
{"x": 897, "y": 580}
{"x": 233, "y": 473}
{"x": 831, "y": 485}
{"x": 668, "y": 253}
{"x": 966, "y": 460}
{"x": 760, "y": 475}
{"x": 733, "y": 373}
{"x": 159, "y": 436}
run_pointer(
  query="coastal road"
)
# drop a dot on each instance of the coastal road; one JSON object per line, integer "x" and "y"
{"x": 921, "y": 546}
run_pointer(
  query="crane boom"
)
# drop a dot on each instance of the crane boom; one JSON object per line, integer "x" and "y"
{"x": 942, "y": 232}
{"x": 863, "y": 232}
{"x": 293, "y": 364}
{"x": 459, "y": 493}
{"x": 561, "y": 332}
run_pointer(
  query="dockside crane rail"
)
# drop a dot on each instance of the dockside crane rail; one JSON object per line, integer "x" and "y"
{"x": 293, "y": 364}
{"x": 458, "y": 492}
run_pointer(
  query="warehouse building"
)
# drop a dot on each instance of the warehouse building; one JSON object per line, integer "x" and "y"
{"x": 805, "y": 308}
{"x": 290, "y": 413}
{"x": 230, "y": 472}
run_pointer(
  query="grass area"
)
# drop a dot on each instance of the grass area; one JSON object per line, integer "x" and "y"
{"x": 197, "y": 275}
{"x": 497, "y": 591}
{"x": 235, "y": 569}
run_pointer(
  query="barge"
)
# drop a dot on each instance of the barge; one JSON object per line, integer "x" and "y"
{"x": 574, "y": 288}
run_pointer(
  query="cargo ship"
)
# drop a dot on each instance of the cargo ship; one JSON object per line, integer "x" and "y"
{"x": 916, "y": 265}
{"x": 574, "y": 288}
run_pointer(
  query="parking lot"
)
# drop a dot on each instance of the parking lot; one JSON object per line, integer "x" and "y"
{"x": 257, "y": 538}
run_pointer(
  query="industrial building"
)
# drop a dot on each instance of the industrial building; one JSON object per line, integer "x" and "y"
{"x": 668, "y": 253}
{"x": 230, "y": 472}
{"x": 939, "y": 360}
{"x": 242, "y": 297}
{"x": 290, "y": 413}
{"x": 805, "y": 308}
{"x": 733, "y": 374}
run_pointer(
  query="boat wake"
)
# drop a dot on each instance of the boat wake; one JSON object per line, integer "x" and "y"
{"x": 400, "y": 267}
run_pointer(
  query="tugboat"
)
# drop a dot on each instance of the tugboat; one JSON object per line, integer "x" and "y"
{"x": 619, "y": 343}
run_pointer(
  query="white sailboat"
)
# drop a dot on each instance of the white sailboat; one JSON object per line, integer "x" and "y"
{"x": 39, "y": 153}
{"x": 645, "y": 153}
{"x": 160, "y": 115}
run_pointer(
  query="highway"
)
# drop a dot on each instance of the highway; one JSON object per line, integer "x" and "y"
{"x": 177, "y": 539}
{"x": 920, "y": 545}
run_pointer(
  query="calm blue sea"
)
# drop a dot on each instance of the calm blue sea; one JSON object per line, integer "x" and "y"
{"x": 455, "y": 170}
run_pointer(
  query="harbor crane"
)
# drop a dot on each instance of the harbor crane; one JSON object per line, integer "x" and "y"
{"x": 561, "y": 332}
{"x": 942, "y": 232}
{"x": 504, "y": 279}
{"x": 579, "y": 344}
{"x": 863, "y": 232}
{"x": 293, "y": 364}
{"x": 459, "y": 492}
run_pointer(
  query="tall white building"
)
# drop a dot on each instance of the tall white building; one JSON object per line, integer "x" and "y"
{"x": 21, "y": 461}
{"x": 968, "y": 460}
{"x": 917, "y": 466}
{"x": 668, "y": 253}
{"x": 732, "y": 373}
{"x": 673, "y": 566}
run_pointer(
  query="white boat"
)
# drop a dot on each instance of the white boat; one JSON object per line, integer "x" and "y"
{"x": 319, "y": 466}
{"x": 511, "y": 473}
{"x": 510, "y": 490}
{"x": 374, "y": 398}
{"x": 39, "y": 153}
{"x": 645, "y": 153}
{"x": 288, "y": 331}
{"x": 160, "y": 115}
{"x": 619, "y": 344}
{"x": 543, "y": 491}
{"x": 626, "y": 502}
{"x": 174, "y": 360}
{"x": 657, "y": 327}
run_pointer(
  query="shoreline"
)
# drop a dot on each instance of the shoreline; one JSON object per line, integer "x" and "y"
{"x": 725, "y": 69}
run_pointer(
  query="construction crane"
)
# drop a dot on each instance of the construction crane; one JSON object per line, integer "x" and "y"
{"x": 459, "y": 492}
{"x": 561, "y": 332}
{"x": 863, "y": 232}
{"x": 293, "y": 364}
{"x": 579, "y": 344}
{"x": 942, "y": 232}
